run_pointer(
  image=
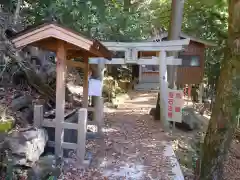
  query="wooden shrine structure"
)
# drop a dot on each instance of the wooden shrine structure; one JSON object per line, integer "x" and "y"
{"x": 67, "y": 45}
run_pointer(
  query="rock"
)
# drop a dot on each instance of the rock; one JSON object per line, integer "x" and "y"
{"x": 189, "y": 120}
{"x": 21, "y": 102}
{"x": 44, "y": 166}
{"x": 27, "y": 145}
{"x": 26, "y": 114}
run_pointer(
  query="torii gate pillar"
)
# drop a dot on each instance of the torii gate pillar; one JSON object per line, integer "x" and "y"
{"x": 99, "y": 105}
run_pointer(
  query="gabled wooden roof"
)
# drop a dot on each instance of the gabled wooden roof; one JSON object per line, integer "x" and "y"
{"x": 46, "y": 36}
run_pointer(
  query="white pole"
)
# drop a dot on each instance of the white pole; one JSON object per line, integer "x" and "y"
{"x": 163, "y": 88}
{"x": 99, "y": 105}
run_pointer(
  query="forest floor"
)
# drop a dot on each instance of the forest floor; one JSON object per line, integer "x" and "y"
{"x": 133, "y": 145}
{"x": 232, "y": 163}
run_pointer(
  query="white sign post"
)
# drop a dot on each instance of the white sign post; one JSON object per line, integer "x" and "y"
{"x": 175, "y": 105}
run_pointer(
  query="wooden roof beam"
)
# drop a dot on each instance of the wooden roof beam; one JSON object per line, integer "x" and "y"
{"x": 75, "y": 64}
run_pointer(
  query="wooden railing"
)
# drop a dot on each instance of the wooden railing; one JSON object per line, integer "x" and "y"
{"x": 81, "y": 128}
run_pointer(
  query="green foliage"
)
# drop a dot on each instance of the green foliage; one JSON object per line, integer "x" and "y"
{"x": 208, "y": 20}
{"x": 6, "y": 121}
{"x": 105, "y": 20}
{"x": 128, "y": 20}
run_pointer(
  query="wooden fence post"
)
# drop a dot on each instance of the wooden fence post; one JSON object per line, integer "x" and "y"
{"x": 82, "y": 130}
{"x": 38, "y": 116}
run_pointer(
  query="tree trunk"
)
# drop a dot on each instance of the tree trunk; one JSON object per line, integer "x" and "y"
{"x": 174, "y": 33}
{"x": 17, "y": 12}
{"x": 226, "y": 107}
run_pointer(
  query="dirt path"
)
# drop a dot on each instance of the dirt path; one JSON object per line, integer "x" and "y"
{"x": 134, "y": 146}
{"x": 134, "y": 143}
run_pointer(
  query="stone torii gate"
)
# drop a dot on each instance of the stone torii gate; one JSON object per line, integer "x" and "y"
{"x": 131, "y": 50}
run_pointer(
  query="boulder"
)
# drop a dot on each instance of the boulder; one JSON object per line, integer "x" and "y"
{"x": 189, "y": 120}
{"x": 27, "y": 145}
{"x": 21, "y": 102}
{"x": 26, "y": 114}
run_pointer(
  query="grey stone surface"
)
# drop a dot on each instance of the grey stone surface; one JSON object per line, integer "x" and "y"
{"x": 27, "y": 145}
{"x": 21, "y": 102}
{"x": 190, "y": 120}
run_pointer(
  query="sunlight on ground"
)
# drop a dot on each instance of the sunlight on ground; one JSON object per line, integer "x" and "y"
{"x": 133, "y": 171}
{"x": 92, "y": 128}
{"x": 109, "y": 130}
{"x": 142, "y": 99}
{"x": 131, "y": 165}
{"x": 127, "y": 107}
{"x": 75, "y": 89}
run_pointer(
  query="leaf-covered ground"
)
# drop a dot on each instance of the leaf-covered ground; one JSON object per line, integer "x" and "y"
{"x": 232, "y": 165}
{"x": 133, "y": 146}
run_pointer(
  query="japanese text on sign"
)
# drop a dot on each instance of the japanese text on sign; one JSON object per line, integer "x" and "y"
{"x": 175, "y": 104}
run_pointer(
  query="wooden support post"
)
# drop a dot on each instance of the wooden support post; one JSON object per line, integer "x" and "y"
{"x": 38, "y": 116}
{"x": 201, "y": 91}
{"x": 60, "y": 97}
{"x": 163, "y": 88}
{"x": 98, "y": 114}
{"x": 85, "y": 83}
{"x": 140, "y": 73}
{"x": 82, "y": 130}
{"x": 189, "y": 92}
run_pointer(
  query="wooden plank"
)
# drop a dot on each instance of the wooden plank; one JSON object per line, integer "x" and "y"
{"x": 60, "y": 96}
{"x": 85, "y": 82}
{"x": 82, "y": 130}
{"x": 53, "y": 31}
{"x": 75, "y": 52}
{"x": 65, "y": 145}
{"x": 49, "y": 123}
{"x": 67, "y": 125}
{"x": 36, "y": 31}
{"x": 75, "y": 64}
{"x": 69, "y": 113}
{"x": 38, "y": 116}
{"x": 52, "y": 123}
